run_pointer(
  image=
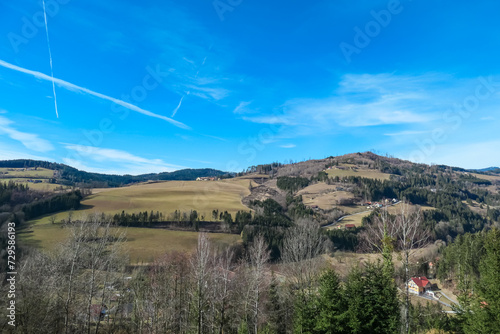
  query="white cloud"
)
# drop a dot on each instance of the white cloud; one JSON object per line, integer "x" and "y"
{"x": 288, "y": 146}
{"x": 208, "y": 93}
{"x": 73, "y": 87}
{"x": 374, "y": 100}
{"x": 107, "y": 154}
{"x": 405, "y": 133}
{"x": 29, "y": 140}
{"x": 10, "y": 153}
{"x": 241, "y": 107}
{"x": 115, "y": 161}
{"x": 472, "y": 155}
{"x": 120, "y": 169}
{"x": 81, "y": 166}
{"x": 282, "y": 119}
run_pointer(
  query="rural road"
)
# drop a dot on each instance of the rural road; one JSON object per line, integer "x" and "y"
{"x": 441, "y": 292}
{"x": 430, "y": 298}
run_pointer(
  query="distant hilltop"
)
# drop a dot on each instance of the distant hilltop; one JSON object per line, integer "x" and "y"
{"x": 69, "y": 176}
{"x": 489, "y": 169}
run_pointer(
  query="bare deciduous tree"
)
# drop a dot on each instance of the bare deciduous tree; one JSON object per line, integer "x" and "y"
{"x": 201, "y": 263}
{"x": 302, "y": 246}
{"x": 259, "y": 256}
{"x": 63, "y": 285}
{"x": 222, "y": 288}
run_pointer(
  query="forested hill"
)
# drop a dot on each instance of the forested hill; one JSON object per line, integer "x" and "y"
{"x": 453, "y": 200}
{"x": 68, "y": 175}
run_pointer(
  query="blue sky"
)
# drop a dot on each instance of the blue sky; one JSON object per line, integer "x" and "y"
{"x": 156, "y": 86}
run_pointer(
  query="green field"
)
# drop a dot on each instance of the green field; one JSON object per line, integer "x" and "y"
{"x": 203, "y": 196}
{"x": 142, "y": 244}
{"x": 486, "y": 177}
{"x": 39, "y": 173}
{"x": 354, "y": 219}
{"x": 44, "y": 186}
{"x": 361, "y": 172}
{"x": 22, "y": 177}
{"x": 166, "y": 197}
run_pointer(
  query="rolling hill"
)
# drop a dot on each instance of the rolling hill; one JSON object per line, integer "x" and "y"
{"x": 454, "y": 200}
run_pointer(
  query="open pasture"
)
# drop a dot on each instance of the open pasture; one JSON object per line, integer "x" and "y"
{"x": 361, "y": 172}
{"x": 142, "y": 244}
{"x": 166, "y": 197}
{"x": 39, "y": 173}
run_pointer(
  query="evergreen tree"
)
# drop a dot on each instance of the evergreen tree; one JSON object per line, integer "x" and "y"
{"x": 332, "y": 305}
{"x": 373, "y": 302}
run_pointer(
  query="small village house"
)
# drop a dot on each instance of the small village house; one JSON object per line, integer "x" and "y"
{"x": 205, "y": 178}
{"x": 419, "y": 285}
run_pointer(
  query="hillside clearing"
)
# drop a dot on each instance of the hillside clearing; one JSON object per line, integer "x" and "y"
{"x": 145, "y": 243}
{"x": 39, "y": 173}
{"x": 356, "y": 218}
{"x": 42, "y": 186}
{"x": 22, "y": 176}
{"x": 360, "y": 172}
{"x": 166, "y": 197}
{"x": 486, "y": 177}
{"x": 324, "y": 196}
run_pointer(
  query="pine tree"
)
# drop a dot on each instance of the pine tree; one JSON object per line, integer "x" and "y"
{"x": 332, "y": 305}
{"x": 373, "y": 302}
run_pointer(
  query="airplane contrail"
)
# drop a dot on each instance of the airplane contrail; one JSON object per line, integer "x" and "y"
{"x": 50, "y": 58}
{"x": 76, "y": 88}
{"x": 180, "y": 103}
{"x": 196, "y": 76}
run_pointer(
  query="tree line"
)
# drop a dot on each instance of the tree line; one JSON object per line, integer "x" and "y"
{"x": 472, "y": 262}
{"x": 83, "y": 286}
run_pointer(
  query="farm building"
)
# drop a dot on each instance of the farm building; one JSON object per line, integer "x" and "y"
{"x": 205, "y": 178}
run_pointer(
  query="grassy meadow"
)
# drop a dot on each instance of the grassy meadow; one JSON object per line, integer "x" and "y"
{"x": 361, "y": 172}
{"x": 39, "y": 173}
{"x": 21, "y": 177}
{"x": 44, "y": 186}
{"x": 143, "y": 244}
{"x": 166, "y": 197}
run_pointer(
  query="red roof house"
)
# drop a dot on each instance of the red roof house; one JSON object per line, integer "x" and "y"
{"x": 418, "y": 285}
